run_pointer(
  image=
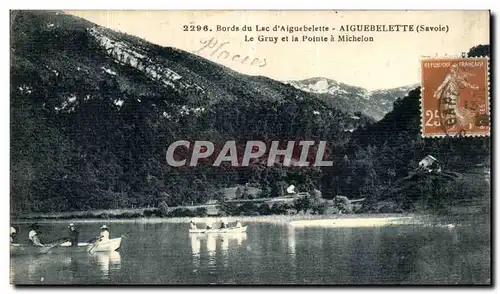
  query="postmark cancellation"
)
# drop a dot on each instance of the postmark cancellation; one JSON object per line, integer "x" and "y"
{"x": 455, "y": 97}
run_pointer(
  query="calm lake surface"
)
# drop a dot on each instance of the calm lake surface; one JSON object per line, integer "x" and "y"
{"x": 268, "y": 253}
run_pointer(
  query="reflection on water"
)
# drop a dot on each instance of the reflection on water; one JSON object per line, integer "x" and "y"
{"x": 107, "y": 261}
{"x": 208, "y": 243}
{"x": 224, "y": 243}
{"x": 211, "y": 249}
{"x": 291, "y": 241}
{"x": 454, "y": 236}
{"x": 224, "y": 247}
{"x": 35, "y": 266}
{"x": 268, "y": 253}
{"x": 64, "y": 267}
{"x": 195, "y": 249}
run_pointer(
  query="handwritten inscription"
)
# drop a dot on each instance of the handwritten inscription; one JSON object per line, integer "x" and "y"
{"x": 219, "y": 50}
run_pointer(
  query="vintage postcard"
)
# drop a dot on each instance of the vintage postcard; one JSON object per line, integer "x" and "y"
{"x": 250, "y": 147}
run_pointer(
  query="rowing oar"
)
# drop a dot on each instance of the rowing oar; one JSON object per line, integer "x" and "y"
{"x": 92, "y": 240}
{"x": 96, "y": 241}
{"x": 46, "y": 248}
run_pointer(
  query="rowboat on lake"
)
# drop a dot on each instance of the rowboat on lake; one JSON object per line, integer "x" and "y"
{"x": 108, "y": 246}
{"x": 231, "y": 230}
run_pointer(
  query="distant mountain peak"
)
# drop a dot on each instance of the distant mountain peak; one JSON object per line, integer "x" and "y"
{"x": 319, "y": 85}
{"x": 352, "y": 98}
{"x": 407, "y": 88}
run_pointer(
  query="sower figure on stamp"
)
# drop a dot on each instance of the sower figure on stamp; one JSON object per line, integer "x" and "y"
{"x": 449, "y": 94}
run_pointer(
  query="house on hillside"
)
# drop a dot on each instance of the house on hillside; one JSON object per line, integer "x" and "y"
{"x": 291, "y": 190}
{"x": 429, "y": 164}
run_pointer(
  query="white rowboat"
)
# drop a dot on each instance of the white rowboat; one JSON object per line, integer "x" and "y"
{"x": 108, "y": 246}
{"x": 232, "y": 230}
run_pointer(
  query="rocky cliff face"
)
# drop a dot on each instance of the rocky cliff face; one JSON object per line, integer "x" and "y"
{"x": 130, "y": 55}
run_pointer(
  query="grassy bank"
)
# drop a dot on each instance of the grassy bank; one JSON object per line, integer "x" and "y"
{"x": 125, "y": 213}
{"x": 200, "y": 212}
{"x": 145, "y": 214}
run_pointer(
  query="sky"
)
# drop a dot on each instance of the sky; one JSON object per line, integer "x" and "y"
{"x": 391, "y": 60}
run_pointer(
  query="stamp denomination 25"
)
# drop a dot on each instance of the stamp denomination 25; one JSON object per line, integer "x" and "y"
{"x": 455, "y": 97}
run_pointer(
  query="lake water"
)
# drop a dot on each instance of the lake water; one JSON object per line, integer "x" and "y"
{"x": 268, "y": 253}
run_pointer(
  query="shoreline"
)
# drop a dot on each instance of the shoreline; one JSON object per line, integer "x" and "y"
{"x": 137, "y": 215}
{"x": 398, "y": 217}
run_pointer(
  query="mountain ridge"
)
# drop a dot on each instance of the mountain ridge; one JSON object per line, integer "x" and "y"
{"x": 374, "y": 103}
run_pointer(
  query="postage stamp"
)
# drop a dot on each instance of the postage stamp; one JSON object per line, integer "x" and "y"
{"x": 455, "y": 97}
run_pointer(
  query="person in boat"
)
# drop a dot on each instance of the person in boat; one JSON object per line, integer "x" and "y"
{"x": 73, "y": 235}
{"x": 13, "y": 233}
{"x": 223, "y": 225}
{"x": 104, "y": 236}
{"x": 238, "y": 224}
{"x": 34, "y": 239}
{"x": 192, "y": 225}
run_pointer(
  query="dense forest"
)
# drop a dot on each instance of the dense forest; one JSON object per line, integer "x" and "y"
{"x": 89, "y": 130}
